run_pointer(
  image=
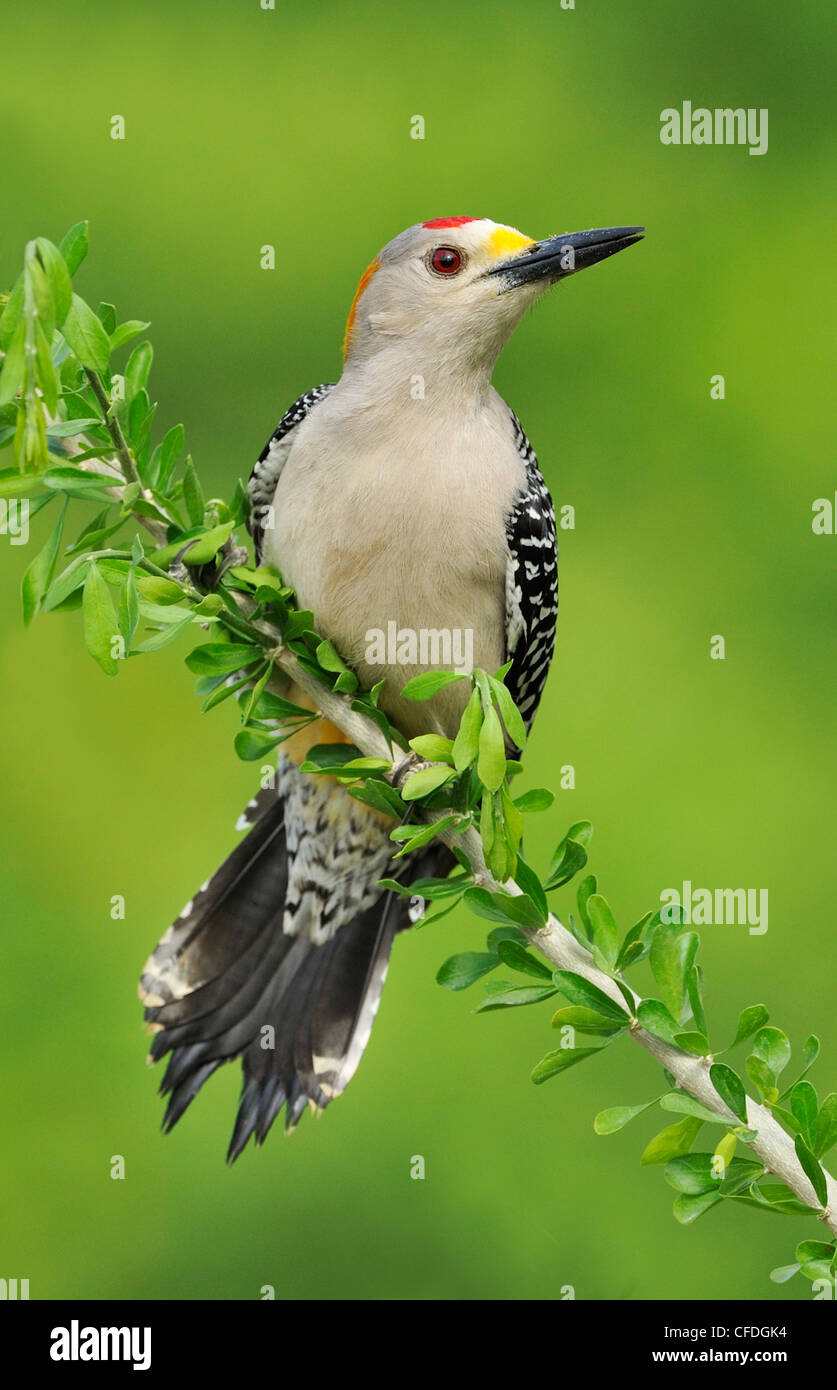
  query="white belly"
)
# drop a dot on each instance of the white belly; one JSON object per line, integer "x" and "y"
{"x": 414, "y": 537}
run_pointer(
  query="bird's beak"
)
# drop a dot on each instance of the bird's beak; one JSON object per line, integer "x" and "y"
{"x": 559, "y": 256}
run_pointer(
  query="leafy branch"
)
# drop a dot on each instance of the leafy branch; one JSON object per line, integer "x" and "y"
{"x": 81, "y": 430}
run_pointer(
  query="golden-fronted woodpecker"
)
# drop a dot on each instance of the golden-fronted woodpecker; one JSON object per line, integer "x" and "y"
{"x": 404, "y": 498}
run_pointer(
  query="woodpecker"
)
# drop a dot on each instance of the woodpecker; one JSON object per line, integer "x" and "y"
{"x": 405, "y": 492}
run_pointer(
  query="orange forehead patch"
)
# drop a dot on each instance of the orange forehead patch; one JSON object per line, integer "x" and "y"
{"x": 350, "y": 322}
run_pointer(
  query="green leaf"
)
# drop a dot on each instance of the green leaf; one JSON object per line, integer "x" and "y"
{"x": 38, "y": 576}
{"x": 810, "y": 1053}
{"x": 804, "y": 1106}
{"x": 697, "y": 1043}
{"x": 380, "y": 795}
{"x": 812, "y": 1169}
{"x": 687, "y": 1209}
{"x": 326, "y": 755}
{"x": 527, "y": 879}
{"x": 580, "y": 991}
{"x": 681, "y": 1103}
{"x": 610, "y": 1121}
{"x": 47, "y": 380}
{"x": 432, "y": 747}
{"x": 491, "y": 762}
{"x": 826, "y": 1131}
{"x": 99, "y": 622}
{"x": 655, "y": 1018}
{"x": 11, "y": 377}
{"x": 605, "y": 931}
{"x": 512, "y": 718}
{"x": 58, "y": 278}
{"x": 574, "y": 858}
{"x": 428, "y": 684}
{"x": 12, "y": 313}
{"x": 696, "y": 1172}
{"x": 505, "y": 933}
{"x": 167, "y": 634}
{"x": 694, "y": 989}
{"x": 330, "y": 659}
{"x": 670, "y": 961}
{"x": 538, "y": 799}
{"x": 427, "y": 833}
{"x": 460, "y": 972}
{"x": 217, "y": 658}
{"x": 783, "y": 1273}
{"x": 561, "y": 1060}
{"x": 516, "y": 909}
{"x": 349, "y": 770}
{"x": 125, "y": 331}
{"x": 730, "y": 1088}
{"x": 466, "y": 743}
{"x": 585, "y": 1021}
{"x": 749, "y": 1021}
{"x": 772, "y": 1046}
{"x": 788, "y": 1208}
{"x": 518, "y": 958}
{"x": 217, "y": 690}
{"x": 129, "y": 608}
{"x": 78, "y": 483}
{"x": 251, "y": 744}
{"x": 425, "y": 781}
{"x": 779, "y": 1198}
{"x": 784, "y": 1117}
{"x": 86, "y": 336}
{"x": 157, "y": 589}
{"x": 106, "y": 314}
{"x": 137, "y": 369}
{"x": 671, "y": 1142}
{"x": 166, "y": 457}
{"x": 667, "y": 968}
{"x": 248, "y": 705}
{"x": 193, "y": 494}
{"x": 634, "y": 936}
{"x": 815, "y": 1259}
{"x": 163, "y": 638}
{"x": 430, "y": 888}
{"x": 762, "y": 1078}
{"x": 73, "y": 246}
{"x": 577, "y": 838}
{"x": 508, "y": 996}
{"x": 586, "y": 889}
{"x": 692, "y": 1174}
{"x": 67, "y": 582}
{"x": 68, "y": 429}
{"x": 204, "y": 548}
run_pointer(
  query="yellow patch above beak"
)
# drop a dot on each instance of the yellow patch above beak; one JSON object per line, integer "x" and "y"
{"x": 504, "y": 241}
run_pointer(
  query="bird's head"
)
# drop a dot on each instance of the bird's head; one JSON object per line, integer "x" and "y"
{"x": 452, "y": 290}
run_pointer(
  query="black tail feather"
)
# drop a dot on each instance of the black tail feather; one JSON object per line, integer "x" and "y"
{"x": 227, "y": 981}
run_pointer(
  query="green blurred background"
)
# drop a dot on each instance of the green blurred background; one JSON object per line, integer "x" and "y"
{"x": 247, "y": 127}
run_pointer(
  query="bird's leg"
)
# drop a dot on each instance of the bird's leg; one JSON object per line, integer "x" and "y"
{"x": 412, "y": 763}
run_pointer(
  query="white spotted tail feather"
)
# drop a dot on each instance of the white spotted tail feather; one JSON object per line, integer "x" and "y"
{"x": 271, "y": 963}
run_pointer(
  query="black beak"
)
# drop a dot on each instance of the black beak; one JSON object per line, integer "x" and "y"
{"x": 559, "y": 256}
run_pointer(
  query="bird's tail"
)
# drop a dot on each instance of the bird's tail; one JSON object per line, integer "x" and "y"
{"x": 227, "y": 980}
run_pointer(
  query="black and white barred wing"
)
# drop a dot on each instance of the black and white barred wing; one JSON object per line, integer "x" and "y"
{"x": 271, "y": 461}
{"x": 531, "y": 584}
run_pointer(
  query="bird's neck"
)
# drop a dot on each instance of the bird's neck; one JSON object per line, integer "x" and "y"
{"x": 401, "y": 379}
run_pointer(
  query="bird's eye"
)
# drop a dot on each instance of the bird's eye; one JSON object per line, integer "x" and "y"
{"x": 445, "y": 260}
